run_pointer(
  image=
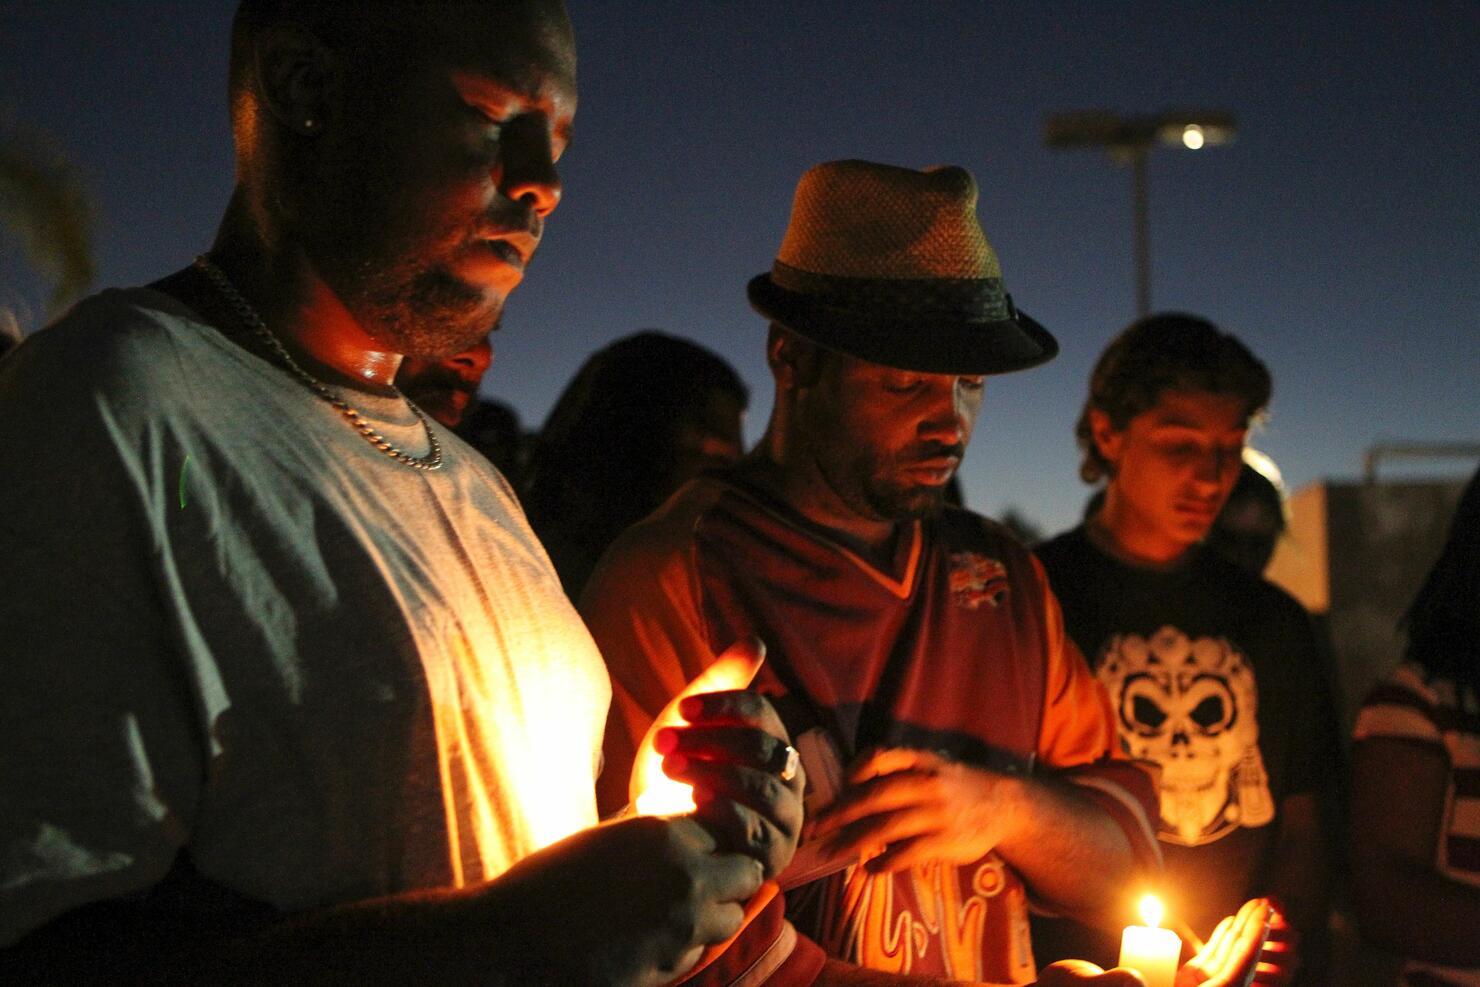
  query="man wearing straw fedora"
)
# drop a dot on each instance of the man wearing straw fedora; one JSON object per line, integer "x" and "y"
{"x": 961, "y": 759}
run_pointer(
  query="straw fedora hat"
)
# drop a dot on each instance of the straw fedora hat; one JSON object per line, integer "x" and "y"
{"x": 890, "y": 265}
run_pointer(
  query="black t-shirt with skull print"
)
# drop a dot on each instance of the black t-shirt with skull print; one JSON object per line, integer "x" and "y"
{"x": 1213, "y": 673}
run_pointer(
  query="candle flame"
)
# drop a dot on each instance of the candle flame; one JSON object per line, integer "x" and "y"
{"x": 1151, "y": 910}
{"x": 654, "y": 793}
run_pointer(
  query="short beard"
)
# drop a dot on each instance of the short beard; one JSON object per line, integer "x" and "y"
{"x": 916, "y": 503}
{"x": 426, "y": 313}
{"x": 856, "y": 486}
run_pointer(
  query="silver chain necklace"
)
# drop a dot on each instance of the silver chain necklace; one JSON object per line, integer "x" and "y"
{"x": 252, "y": 320}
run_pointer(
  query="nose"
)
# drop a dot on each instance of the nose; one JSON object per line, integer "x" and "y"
{"x": 1217, "y": 466}
{"x": 474, "y": 362}
{"x": 946, "y": 421}
{"x": 528, "y": 159}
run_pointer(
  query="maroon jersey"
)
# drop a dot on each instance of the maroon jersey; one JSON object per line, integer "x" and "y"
{"x": 957, "y": 647}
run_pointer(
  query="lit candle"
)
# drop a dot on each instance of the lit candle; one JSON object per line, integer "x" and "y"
{"x": 655, "y": 794}
{"x": 1151, "y": 951}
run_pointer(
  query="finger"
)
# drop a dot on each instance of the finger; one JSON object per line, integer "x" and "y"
{"x": 735, "y": 668}
{"x": 1205, "y": 962}
{"x": 1226, "y": 962}
{"x": 729, "y": 877}
{"x": 1076, "y": 967}
{"x": 683, "y": 964}
{"x": 1233, "y": 952}
{"x": 761, "y": 791}
{"x": 735, "y": 707}
{"x": 888, "y": 793}
{"x": 1204, "y": 955}
{"x": 1068, "y": 973}
{"x": 1073, "y": 973}
{"x": 740, "y": 829}
{"x": 902, "y": 855}
{"x": 890, "y": 760}
{"x": 732, "y": 744}
{"x": 866, "y": 835}
{"x": 719, "y": 920}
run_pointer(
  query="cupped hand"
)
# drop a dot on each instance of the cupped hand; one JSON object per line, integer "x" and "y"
{"x": 1231, "y": 956}
{"x": 906, "y": 807}
{"x": 735, "y": 751}
{"x": 631, "y": 902}
{"x": 1229, "y": 959}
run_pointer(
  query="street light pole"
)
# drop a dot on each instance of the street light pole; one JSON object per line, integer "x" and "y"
{"x": 1129, "y": 140}
{"x": 1142, "y": 222}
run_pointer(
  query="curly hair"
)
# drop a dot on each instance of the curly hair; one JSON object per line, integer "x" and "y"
{"x": 1170, "y": 351}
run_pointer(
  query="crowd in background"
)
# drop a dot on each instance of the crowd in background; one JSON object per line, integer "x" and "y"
{"x": 305, "y": 686}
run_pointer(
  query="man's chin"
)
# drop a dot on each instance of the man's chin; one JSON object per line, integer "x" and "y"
{"x": 912, "y": 503}
{"x": 435, "y": 317}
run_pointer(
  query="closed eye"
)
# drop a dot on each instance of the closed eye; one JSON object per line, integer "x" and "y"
{"x": 897, "y": 383}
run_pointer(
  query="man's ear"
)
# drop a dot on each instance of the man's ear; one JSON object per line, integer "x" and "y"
{"x": 299, "y": 77}
{"x": 1107, "y": 438}
{"x": 795, "y": 362}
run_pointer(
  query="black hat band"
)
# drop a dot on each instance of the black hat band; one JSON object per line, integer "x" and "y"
{"x": 963, "y": 299}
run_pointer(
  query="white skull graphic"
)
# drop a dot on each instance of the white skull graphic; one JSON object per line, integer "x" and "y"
{"x": 1191, "y": 707}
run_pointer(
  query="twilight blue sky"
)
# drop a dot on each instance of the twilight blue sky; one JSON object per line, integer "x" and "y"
{"x": 1339, "y": 236}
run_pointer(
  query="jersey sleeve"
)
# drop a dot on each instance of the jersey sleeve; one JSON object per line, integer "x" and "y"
{"x": 1079, "y": 742}
{"x": 100, "y": 763}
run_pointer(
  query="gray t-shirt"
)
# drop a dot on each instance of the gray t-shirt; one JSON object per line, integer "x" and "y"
{"x": 228, "y": 623}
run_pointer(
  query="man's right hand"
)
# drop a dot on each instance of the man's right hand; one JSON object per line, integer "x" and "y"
{"x": 630, "y": 902}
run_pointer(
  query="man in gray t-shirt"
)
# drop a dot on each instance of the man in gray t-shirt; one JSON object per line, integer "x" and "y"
{"x": 288, "y": 690}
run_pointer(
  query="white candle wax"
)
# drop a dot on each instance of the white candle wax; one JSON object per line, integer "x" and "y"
{"x": 1151, "y": 952}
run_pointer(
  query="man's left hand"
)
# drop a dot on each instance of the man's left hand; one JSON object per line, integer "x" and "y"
{"x": 747, "y": 780}
{"x": 906, "y": 807}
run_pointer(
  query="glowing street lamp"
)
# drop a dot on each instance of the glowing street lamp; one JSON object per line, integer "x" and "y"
{"x": 1129, "y": 140}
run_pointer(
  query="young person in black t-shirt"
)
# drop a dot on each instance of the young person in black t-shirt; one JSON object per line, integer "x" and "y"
{"x": 1213, "y": 673}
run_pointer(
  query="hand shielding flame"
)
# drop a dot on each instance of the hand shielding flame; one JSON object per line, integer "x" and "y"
{"x": 653, "y": 793}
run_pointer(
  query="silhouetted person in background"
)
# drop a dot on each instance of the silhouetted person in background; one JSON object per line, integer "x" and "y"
{"x": 1213, "y": 673}
{"x": 446, "y": 387}
{"x": 1415, "y": 791}
{"x": 1250, "y": 524}
{"x": 494, "y": 429}
{"x": 639, "y": 419}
